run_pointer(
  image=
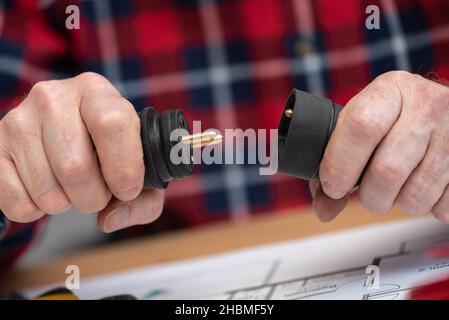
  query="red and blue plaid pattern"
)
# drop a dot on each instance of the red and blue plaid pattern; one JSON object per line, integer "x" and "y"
{"x": 230, "y": 64}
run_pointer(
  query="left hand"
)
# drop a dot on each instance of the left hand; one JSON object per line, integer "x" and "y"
{"x": 398, "y": 126}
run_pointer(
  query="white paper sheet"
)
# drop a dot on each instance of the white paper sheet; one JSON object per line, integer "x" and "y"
{"x": 331, "y": 266}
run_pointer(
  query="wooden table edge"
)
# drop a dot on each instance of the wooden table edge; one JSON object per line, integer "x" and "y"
{"x": 192, "y": 243}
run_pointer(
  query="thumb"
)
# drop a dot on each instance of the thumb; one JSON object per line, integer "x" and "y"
{"x": 325, "y": 207}
{"x": 146, "y": 208}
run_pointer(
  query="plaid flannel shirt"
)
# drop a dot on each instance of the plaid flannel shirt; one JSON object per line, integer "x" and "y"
{"x": 230, "y": 64}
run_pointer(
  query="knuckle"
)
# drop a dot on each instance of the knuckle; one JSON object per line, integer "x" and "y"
{"x": 92, "y": 78}
{"x": 435, "y": 92}
{"x": 75, "y": 168}
{"x": 95, "y": 83}
{"x": 362, "y": 122}
{"x": 15, "y": 122}
{"x": 433, "y": 101}
{"x": 395, "y": 86}
{"x": 115, "y": 120}
{"x": 411, "y": 202}
{"x": 44, "y": 92}
{"x": 429, "y": 176}
{"x": 397, "y": 76}
{"x": 387, "y": 173}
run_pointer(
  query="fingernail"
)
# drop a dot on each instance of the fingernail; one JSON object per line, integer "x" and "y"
{"x": 331, "y": 190}
{"x": 117, "y": 219}
{"x": 128, "y": 194}
{"x": 313, "y": 189}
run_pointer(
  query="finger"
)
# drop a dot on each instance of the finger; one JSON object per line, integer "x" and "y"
{"x": 441, "y": 209}
{"x": 396, "y": 157}
{"x": 115, "y": 130}
{"x": 428, "y": 181}
{"x": 15, "y": 202}
{"x": 73, "y": 159}
{"x": 31, "y": 163}
{"x": 362, "y": 124}
{"x": 325, "y": 207}
{"x": 144, "y": 209}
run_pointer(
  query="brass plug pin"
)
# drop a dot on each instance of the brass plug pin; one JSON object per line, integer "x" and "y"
{"x": 199, "y": 140}
{"x": 288, "y": 113}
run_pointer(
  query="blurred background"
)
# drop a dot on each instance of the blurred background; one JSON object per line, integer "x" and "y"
{"x": 64, "y": 234}
{"x": 230, "y": 64}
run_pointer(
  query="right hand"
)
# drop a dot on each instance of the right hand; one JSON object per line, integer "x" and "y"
{"x": 75, "y": 143}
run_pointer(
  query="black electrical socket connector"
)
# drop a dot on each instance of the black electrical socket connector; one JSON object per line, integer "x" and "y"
{"x": 304, "y": 131}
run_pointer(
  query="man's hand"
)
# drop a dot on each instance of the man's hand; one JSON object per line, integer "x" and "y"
{"x": 75, "y": 142}
{"x": 398, "y": 126}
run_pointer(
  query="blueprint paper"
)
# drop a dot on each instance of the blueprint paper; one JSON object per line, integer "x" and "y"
{"x": 330, "y": 266}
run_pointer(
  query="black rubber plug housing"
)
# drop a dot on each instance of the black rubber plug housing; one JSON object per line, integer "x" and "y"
{"x": 155, "y": 134}
{"x": 303, "y": 137}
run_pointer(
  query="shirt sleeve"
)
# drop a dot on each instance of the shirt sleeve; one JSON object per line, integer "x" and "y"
{"x": 30, "y": 46}
{"x": 15, "y": 239}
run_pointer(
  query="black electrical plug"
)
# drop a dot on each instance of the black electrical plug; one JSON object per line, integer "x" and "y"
{"x": 304, "y": 131}
{"x": 155, "y": 134}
